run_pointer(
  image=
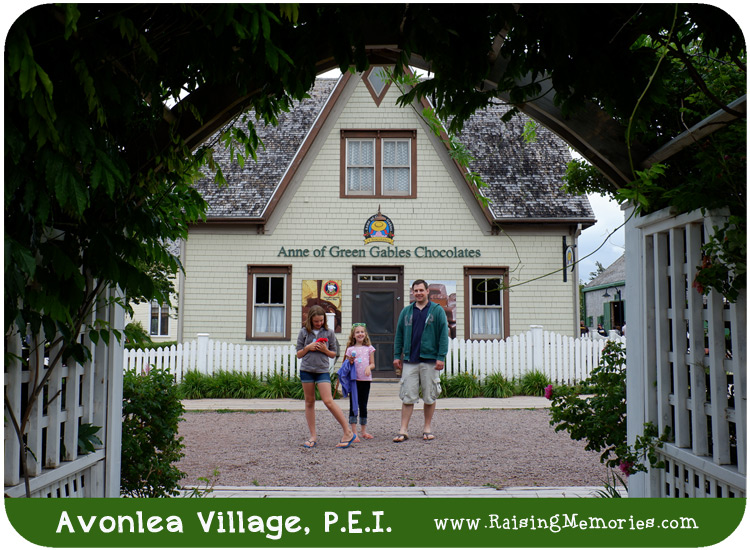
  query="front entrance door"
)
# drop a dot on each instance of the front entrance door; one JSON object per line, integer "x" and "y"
{"x": 378, "y": 300}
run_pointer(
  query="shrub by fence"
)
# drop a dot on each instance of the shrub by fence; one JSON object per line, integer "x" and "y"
{"x": 563, "y": 359}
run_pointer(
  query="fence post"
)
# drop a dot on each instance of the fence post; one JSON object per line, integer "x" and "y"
{"x": 331, "y": 323}
{"x": 537, "y": 348}
{"x": 202, "y": 353}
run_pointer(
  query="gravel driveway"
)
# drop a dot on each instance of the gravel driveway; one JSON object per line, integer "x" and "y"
{"x": 499, "y": 448}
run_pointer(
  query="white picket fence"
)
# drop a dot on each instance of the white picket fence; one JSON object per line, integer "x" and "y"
{"x": 565, "y": 360}
{"x": 74, "y": 394}
{"x": 208, "y": 356}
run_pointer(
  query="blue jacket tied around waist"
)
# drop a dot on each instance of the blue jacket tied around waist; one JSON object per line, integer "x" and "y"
{"x": 348, "y": 379}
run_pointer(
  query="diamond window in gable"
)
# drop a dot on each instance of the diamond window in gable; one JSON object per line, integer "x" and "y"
{"x": 377, "y": 83}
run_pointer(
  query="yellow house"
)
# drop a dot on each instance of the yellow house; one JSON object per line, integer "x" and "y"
{"x": 353, "y": 198}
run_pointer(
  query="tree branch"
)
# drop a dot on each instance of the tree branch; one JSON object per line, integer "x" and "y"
{"x": 678, "y": 52}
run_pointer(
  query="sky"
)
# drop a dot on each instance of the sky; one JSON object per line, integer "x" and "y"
{"x": 593, "y": 241}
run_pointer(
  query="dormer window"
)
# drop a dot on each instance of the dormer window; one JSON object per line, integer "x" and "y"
{"x": 378, "y": 163}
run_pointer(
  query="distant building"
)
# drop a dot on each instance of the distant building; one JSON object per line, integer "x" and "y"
{"x": 159, "y": 320}
{"x": 603, "y": 298}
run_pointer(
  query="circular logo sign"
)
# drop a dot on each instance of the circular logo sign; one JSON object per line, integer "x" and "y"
{"x": 331, "y": 288}
{"x": 378, "y": 228}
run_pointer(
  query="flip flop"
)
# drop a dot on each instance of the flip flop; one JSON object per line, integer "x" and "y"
{"x": 368, "y": 436}
{"x": 400, "y": 437}
{"x": 428, "y": 436}
{"x": 345, "y": 444}
{"x": 314, "y": 444}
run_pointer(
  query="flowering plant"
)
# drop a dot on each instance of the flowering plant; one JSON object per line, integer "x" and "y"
{"x": 600, "y": 418}
{"x": 548, "y": 391}
{"x": 724, "y": 265}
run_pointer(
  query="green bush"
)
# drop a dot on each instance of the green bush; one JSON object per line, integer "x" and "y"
{"x": 232, "y": 385}
{"x": 277, "y": 386}
{"x": 136, "y": 335}
{"x": 194, "y": 385}
{"x": 150, "y": 345}
{"x": 237, "y": 385}
{"x": 496, "y": 385}
{"x": 246, "y": 386}
{"x": 600, "y": 419}
{"x": 463, "y": 384}
{"x": 151, "y": 412}
{"x": 534, "y": 382}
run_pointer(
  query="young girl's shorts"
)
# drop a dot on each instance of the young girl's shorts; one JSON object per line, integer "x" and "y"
{"x": 316, "y": 377}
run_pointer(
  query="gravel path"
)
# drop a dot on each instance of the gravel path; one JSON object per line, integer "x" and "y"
{"x": 499, "y": 448}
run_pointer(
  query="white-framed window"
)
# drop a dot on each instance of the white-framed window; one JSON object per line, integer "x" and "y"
{"x": 159, "y": 319}
{"x": 360, "y": 166}
{"x": 486, "y": 303}
{"x": 396, "y": 166}
{"x": 268, "y": 315}
{"x": 378, "y": 163}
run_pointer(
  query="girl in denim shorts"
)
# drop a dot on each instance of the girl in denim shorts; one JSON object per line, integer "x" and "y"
{"x": 316, "y": 345}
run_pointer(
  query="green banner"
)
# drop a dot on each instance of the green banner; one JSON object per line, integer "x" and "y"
{"x": 373, "y": 523}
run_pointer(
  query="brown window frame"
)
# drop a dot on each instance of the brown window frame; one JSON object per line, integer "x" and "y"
{"x": 379, "y": 136}
{"x": 500, "y": 272}
{"x": 252, "y": 271}
{"x": 163, "y": 312}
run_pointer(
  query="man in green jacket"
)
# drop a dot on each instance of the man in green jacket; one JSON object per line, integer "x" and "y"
{"x": 420, "y": 347}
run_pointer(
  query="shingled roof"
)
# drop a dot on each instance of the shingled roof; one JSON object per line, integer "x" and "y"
{"x": 615, "y": 273}
{"x": 524, "y": 178}
{"x": 249, "y": 189}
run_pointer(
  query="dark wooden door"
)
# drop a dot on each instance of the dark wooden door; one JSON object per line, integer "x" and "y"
{"x": 378, "y": 300}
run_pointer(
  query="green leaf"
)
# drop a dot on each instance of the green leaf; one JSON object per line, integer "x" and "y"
{"x": 72, "y": 14}
{"x": 87, "y": 438}
{"x": 69, "y": 189}
{"x": 20, "y": 257}
{"x": 290, "y": 12}
{"x": 105, "y": 172}
{"x": 27, "y": 78}
{"x": 266, "y": 25}
{"x": 272, "y": 57}
{"x": 529, "y": 131}
{"x": 45, "y": 80}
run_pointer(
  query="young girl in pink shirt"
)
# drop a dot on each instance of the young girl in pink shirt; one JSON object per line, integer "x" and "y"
{"x": 361, "y": 353}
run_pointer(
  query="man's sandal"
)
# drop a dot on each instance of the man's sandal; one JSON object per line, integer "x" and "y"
{"x": 400, "y": 437}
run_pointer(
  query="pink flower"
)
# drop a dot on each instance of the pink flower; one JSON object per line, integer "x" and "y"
{"x": 626, "y": 467}
{"x": 548, "y": 392}
{"x": 697, "y": 285}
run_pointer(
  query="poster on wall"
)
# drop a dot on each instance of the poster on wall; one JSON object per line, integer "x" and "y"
{"x": 444, "y": 294}
{"x": 325, "y": 293}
